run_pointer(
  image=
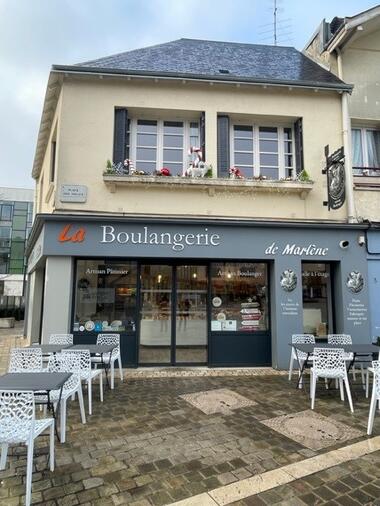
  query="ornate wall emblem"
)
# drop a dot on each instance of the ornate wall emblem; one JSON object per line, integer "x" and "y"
{"x": 355, "y": 282}
{"x": 288, "y": 280}
{"x": 335, "y": 171}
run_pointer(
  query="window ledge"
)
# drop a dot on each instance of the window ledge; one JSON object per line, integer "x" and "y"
{"x": 367, "y": 182}
{"x": 210, "y": 184}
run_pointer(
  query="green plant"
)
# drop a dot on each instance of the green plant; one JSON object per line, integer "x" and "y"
{"x": 209, "y": 171}
{"x": 304, "y": 177}
{"x": 109, "y": 164}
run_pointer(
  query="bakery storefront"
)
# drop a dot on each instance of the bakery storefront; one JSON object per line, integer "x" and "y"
{"x": 215, "y": 293}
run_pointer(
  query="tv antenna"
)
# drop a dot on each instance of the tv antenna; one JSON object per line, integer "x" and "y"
{"x": 279, "y": 30}
{"x": 275, "y": 22}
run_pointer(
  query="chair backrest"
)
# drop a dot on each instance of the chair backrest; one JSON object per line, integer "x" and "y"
{"x": 66, "y": 362}
{"x": 25, "y": 360}
{"x": 339, "y": 339}
{"x": 17, "y": 416}
{"x": 303, "y": 339}
{"x": 329, "y": 359}
{"x": 376, "y": 378}
{"x": 110, "y": 339}
{"x": 61, "y": 339}
{"x": 84, "y": 360}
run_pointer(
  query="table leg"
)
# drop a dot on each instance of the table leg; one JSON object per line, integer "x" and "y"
{"x": 50, "y": 406}
{"x": 301, "y": 368}
{"x": 106, "y": 368}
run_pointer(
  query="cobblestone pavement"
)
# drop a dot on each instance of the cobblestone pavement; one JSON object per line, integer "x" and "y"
{"x": 146, "y": 445}
{"x": 351, "y": 484}
{"x": 10, "y": 338}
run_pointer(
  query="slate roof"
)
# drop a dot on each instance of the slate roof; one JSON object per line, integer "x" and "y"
{"x": 227, "y": 61}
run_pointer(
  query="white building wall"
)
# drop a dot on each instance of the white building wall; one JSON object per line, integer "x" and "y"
{"x": 57, "y": 296}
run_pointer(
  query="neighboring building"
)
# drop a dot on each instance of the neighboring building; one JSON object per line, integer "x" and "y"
{"x": 215, "y": 270}
{"x": 16, "y": 217}
{"x": 350, "y": 47}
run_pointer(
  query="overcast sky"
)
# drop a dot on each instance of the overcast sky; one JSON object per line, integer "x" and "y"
{"x": 34, "y": 34}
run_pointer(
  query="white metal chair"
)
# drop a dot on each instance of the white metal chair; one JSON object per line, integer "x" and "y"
{"x": 25, "y": 360}
{"x": 115, "y": 356}
{"x": 18, "y": 424}
{"x": 67, "y": 362}
{"x": 299, "y": 339}
{"x": 329, "y": 363}
{"x": 375, "y": 395}
{"x": 87, "y": 374}
{"x": 338, "y": 339}
{"x": 61, "y": 339}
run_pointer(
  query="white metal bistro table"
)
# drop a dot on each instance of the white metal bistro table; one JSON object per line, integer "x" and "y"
{"x": 40, "y": 383}
{"x": 97, "y": 350}
{"x": 357, "y": 350}
{"x": 49, "y": 349}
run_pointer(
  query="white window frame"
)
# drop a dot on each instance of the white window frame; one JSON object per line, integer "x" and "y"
{"x": 363, "y": 137}
{"x": 256, "y": 147}
{"x": 160, "y": 140}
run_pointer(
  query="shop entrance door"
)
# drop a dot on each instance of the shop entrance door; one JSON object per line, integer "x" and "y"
{"x": 173, "y": 314}
{"x": 317, "y": 299}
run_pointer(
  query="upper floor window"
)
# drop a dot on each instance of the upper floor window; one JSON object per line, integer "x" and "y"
{"x": 366, "y": 152}
{"x": 154, "y": 144}
{"x": 6, "y": 211}
{"x": 263, "y": 151}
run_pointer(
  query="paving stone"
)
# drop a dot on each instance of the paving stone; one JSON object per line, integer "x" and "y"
{"x": 146, "y": 444}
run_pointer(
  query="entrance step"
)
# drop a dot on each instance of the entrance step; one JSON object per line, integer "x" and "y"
{"x": 172, "y": 372}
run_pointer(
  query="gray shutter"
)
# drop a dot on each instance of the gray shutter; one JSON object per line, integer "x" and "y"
{"x": 298, "y": 141}
{"x": 223, "y": 142}
{"x": 202, "y": 135}
{"x": 120, "y": 135}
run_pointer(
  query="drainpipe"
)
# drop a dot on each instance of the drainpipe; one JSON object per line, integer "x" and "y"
{"x": 346, "y": 130}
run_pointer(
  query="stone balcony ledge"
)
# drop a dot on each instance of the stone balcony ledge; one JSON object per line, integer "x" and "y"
{"x": 210, "y": 185}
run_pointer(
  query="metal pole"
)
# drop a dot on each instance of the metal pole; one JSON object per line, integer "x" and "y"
{"x": 275, "y": 22}
{"x": 346, "y": 127}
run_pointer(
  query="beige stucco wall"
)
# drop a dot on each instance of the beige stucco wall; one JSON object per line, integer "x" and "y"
{"x": 367, "y": 203}
{"x": 45, "y": 189}
{"x": 326, "y": 59}
{"x": 361, "y": 67}
{"x": 86, "y": 123}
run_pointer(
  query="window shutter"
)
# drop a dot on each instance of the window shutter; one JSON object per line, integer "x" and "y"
{"x": 202, "y": 134}
{"x": 120, "y": 135}
{"x": 223, "y": 142}
{"x": 298, "y": 141}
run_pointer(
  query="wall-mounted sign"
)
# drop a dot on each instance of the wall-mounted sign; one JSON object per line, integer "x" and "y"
{"x": 297, "y": 250}
{"x": 288, "y": 280}
{"x": 73, "y": 193}
{"x": 335, "y": 172}
{"x": 177, "y": 241}
{"x": 355, "y": 282}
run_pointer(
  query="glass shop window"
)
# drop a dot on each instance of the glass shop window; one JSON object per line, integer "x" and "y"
{"x": 239, "y": 297}
{"x": 105, "y": 296}
{"x": 317, "y": 304}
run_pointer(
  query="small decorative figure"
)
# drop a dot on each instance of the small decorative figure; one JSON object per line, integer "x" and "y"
{"x": 129, "y": 167}
{"x": 197, "y": 167}
{"x": 235, "y": 173}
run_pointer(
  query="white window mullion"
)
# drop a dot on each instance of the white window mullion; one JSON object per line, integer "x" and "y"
{"x": 256, "y": 151}
{"x": 281, "y": 153}
{"x": 186, "y": 144}
{"x": 133, "y": 139}
{"x": 294, "y": 170}
{"x": 160, "y": 145}
{"x": 364, "y": 147}
{"x": 232, "y": 145}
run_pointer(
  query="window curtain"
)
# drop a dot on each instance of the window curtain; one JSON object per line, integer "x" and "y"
{"x": 373, "y": 146}
{"x": 357, "y": 153}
